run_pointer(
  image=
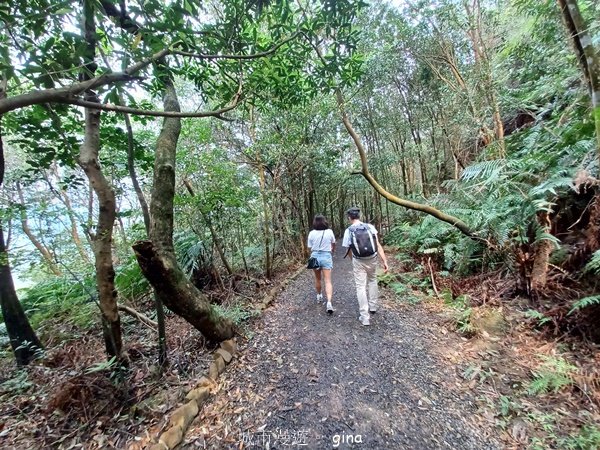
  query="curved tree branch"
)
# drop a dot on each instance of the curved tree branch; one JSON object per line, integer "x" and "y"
{"x": 69, "y": 94}
{"x": 455, "y": 222}
{"x": 146, "y": 112}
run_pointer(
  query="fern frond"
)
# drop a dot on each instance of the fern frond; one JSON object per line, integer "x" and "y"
{"x": 486, "y": 170}
{"x": 543, "y": 236}
{"x": 593, "y": 264}
{"x": 553, "y": 374}
{"x": 551, "y": 186}
{"x": 584, "y": 303}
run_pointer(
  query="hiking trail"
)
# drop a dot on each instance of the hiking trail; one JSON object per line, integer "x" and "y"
{"x": 306, "y": 379}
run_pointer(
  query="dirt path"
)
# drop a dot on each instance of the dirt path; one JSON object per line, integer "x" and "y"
{"x": 309, "y": 380}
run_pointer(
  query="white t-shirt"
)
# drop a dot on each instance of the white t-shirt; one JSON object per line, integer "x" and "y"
{"x": 316, "y": 244}
{"x": 347, "y": 242}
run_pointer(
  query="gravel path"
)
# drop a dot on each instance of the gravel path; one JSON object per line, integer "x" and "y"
{"x": 309, "y": 380}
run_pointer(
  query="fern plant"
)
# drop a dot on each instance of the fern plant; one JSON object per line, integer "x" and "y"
{"x": 538, "y": 316}
{"x": 584, "y": 303}
{"x": 554, "y": 374}
{"x": 593, "y": 265}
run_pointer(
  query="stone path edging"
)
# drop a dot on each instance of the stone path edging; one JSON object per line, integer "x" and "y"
{"x": 182, "y": 417}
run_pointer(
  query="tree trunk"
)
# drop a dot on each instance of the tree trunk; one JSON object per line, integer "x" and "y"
{"x": 157, "y": 256}
{"x": 587, "y": 55}
{"x": 23, "y": 340}
{"x": 102, "y": 239}
{"x": 541, "y": 257}
{"x": 46, "y": 254}
{"x": 178, "y": 294}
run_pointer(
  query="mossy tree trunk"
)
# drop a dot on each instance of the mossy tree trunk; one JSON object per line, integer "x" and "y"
{"x": 156, "y": 257}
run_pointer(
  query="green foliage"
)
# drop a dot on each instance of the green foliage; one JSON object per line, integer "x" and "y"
{"x": 554, "y": 374}
{"x": 462, "y": 312}
{"x": 237, "y": 313}
{"x": 102, "y": 366}
{"x": 129, "y": 280}
{"x": 405, "y": 285}
{"x": 17, "y": 384}
{"x": 404, "y": 293}
{"x": 584, "y": 303}
{"x": 593, "y": 265}
{"x": 60, "y": 300}
{"x": 386, "y": 278}
{"x": 588, "y": 438}
{"x": 508, "y": 406}
{"x": 540, "y": 318}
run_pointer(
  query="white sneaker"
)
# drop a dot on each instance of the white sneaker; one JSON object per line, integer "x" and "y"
{"x": 365, "y": 322}
{"x": 329, "y": 308}
{"x": 319, "y": 298}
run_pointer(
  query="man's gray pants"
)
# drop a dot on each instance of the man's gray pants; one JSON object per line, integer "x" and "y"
{"x": 366, "y": 285}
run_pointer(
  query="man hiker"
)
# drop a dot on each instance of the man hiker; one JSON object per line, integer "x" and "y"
{"x": 361, "y": 239}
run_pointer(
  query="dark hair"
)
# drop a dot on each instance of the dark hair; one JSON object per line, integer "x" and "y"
{"x": 353, "y": 213}
{"x": 320, "y": 222}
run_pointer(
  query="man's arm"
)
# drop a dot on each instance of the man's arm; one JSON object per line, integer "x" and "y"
{"x": 346, "y": 242}
{"x": 381, "y": 253}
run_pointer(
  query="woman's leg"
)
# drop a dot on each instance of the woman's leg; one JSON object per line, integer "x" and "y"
{"x": 317, "y": 273}
{"x": 328, "y": 285}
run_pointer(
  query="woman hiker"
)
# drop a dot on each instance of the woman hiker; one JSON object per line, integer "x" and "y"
{"x": 321, "y": 242}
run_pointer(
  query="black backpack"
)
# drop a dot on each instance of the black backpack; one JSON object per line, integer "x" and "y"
{"x": 362, "y": 241}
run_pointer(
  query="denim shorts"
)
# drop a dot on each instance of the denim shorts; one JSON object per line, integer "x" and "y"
{"x": 325, "y": 259}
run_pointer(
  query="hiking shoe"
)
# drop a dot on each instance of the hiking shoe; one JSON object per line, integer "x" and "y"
{"x": 329, "y": 308}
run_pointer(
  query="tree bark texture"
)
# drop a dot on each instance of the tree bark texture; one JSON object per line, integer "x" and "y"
{"x": 178, "y": 294}
{"x": 156, "y": 257}
{"x": 102, "y": 238}
{"x": 23, "y": 339}
{"x": 587, "y": 55}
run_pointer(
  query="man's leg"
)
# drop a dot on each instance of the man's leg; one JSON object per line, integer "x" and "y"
{"x": 360, "y": 278}
{"x": 372, "y": 285}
